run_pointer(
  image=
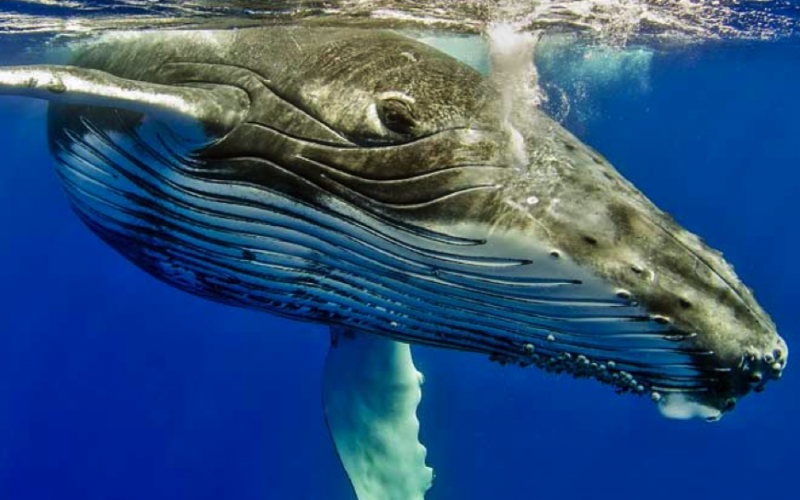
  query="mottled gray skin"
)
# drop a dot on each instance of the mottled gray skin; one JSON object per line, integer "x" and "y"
{"x": 583, "y": 210}
{"x": 603, "y": 222}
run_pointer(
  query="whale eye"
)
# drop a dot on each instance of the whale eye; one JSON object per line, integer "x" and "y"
{"x": 397, "y": 115}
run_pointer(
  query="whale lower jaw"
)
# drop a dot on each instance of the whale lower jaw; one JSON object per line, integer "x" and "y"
{"x": 460, "y": 287}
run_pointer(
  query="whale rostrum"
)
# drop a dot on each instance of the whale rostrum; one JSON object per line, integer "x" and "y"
{"x": 367, "y": 181}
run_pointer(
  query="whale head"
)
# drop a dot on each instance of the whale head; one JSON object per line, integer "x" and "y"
{"x": 372, "y": 182}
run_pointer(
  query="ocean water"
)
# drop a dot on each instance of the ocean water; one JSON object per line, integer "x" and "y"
{"x": 116, "y": 386}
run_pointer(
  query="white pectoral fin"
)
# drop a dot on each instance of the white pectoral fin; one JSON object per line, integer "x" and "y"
{"x": 197, "y": 113}
{"x": 371, "y": 392}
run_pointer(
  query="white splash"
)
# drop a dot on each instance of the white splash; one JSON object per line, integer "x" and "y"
{"x": 514, "y": 74}
{"x": 511, "y": 59}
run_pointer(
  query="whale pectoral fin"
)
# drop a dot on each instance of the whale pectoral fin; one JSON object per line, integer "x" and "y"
{"x": 371, "y": 392}
{"x": 198, "y": 114}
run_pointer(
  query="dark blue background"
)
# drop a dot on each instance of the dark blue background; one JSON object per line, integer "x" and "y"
{"x": 114, "y": 386}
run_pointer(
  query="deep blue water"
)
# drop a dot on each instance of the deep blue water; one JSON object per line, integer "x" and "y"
{"x": 115, "y": 386}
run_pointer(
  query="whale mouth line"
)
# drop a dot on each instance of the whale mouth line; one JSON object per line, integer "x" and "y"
{"x": 429, "y": 175}
{"x": 383, "y": 184}
{"x": 379, "y": 144}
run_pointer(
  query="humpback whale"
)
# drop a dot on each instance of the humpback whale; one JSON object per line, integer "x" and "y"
{"x": 367, "y": 181}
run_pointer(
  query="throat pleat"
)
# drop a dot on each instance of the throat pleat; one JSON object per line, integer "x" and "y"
{"x": 252, "y": 246}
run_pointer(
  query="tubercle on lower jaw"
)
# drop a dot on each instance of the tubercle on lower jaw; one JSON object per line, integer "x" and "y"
{"x": 707, "y": 402}
{"x": 579, "y": 366}
{"x": 759, "y": 366}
